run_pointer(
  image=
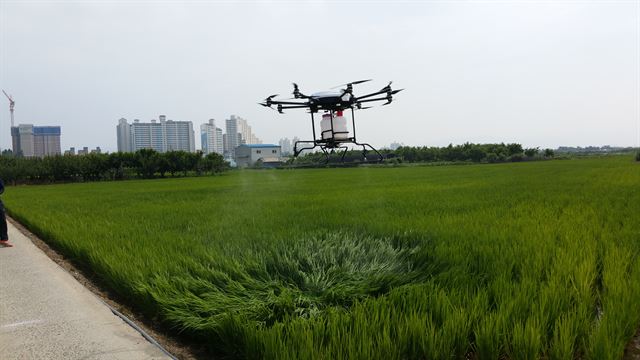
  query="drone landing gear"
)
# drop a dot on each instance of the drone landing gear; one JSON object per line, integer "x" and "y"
{"x": 331, "y": 148}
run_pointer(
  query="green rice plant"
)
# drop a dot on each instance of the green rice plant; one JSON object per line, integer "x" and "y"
{"x": 488, "y": 337}
{"x": 526, "y": 340}
{"x": 564, "y": 338}
{"x": 523, "y": 260}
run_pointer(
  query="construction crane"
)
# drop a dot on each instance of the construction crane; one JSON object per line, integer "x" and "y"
{"x": 12, "y": 104}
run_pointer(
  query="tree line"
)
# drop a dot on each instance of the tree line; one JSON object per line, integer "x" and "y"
{"x": 144, "y": 164}
{"x": 468, "y": 152}
{"x": 490, "y": 153}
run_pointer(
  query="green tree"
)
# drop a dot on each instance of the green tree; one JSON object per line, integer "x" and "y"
{"x": 214, "y": 163}
{"x": 531, "y": 152}
{"x": 92, "y": 166}
{"x": 548, "y": 153}
{"x": 514, "y": 149}
{"x": 7, "y": 153}
{"x": 147, "y": 162}
{"x": 174, "y": 161}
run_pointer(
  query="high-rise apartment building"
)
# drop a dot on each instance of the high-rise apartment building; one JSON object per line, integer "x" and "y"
{"x": 178, "y": 135}
{"x": 285, "y": 146}
{"x": 124, "y": 135}
{"x": 211, "y": 138}
{"x": 36, "y": 141}
{"x": 238, "y": 133}
{"x": 166, "y": 135}
{"x": 147, "y": 136}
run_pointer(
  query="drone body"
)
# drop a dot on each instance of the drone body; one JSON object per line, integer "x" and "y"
{"x": 333, "y": 103}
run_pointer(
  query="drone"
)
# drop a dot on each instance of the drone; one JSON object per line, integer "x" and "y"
{"x": 334, "y": 133}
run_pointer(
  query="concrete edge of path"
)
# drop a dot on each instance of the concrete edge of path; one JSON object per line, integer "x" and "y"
{"x": 45, "y": 312}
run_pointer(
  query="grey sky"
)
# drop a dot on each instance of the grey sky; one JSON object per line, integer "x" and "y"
{"x": 542, "y": 73}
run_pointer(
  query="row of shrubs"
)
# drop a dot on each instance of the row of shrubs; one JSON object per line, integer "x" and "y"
{"x": 145, "y": 163}
{"x": 468, "y": 152}
{"x": 490, "y": 153}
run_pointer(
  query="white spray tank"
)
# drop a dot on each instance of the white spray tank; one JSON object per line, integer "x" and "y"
{"x": 325, "y": 126}
{"x": 340, "y": 126}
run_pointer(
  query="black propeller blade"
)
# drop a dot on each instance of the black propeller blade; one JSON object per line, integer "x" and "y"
{"x": 296, "y": 91}
{"x": 267, "y": 101}
{"x": 388, "y": 87}
{"x": 267, "y": 105}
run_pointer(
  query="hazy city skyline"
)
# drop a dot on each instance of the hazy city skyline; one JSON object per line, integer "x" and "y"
{"x": 539, "y": 73}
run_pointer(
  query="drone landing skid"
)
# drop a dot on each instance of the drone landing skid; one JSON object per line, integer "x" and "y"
{"x": 331, "y": 145}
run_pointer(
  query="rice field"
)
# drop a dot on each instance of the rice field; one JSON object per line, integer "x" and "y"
{"x": 520, "y": 261}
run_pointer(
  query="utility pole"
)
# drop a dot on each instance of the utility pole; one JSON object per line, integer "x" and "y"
{"x": 12, "y": 104}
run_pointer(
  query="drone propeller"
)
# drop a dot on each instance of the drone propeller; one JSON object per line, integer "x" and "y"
{"x": 267, "y": 105}
{"x": 267, "y": 101}
{"x": 352, "y": 83}
{"x": 297, "y": 94}
{"x": 388, "y": 87}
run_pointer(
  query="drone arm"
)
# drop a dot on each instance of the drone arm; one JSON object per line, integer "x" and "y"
{"x": 276, "y": 102}
{"x": 372, "y": 94}
{"x": 299, "y": 106}
{"x": 376, "y": 99}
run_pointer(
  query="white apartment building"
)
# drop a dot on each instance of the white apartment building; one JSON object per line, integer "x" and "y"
{"x": 166, "y": 135}
{"x": 211, "y": 138}
{"x": 178, "y": 135}
{"x": 124, "y": 136}
{"x": 238, "y": 133}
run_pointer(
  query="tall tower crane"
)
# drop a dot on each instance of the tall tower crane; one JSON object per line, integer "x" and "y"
{"x": 12, "y": 104}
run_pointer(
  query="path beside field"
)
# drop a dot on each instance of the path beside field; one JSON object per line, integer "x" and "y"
{"x": 46, "y": 314}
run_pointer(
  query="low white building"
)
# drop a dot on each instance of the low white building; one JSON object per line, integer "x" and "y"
{"x": 248, "y": 154}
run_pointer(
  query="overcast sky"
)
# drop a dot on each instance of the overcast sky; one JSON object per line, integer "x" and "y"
{"x": 541, "y": 73}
